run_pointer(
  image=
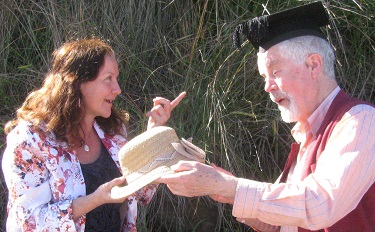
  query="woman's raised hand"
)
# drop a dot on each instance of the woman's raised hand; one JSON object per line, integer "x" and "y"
{"x": 161, "y": 111}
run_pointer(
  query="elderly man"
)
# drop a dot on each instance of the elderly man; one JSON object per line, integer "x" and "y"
{"x": 328, "y": 181}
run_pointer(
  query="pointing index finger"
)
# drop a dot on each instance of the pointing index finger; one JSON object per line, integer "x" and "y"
{"x": 177, "y": 100}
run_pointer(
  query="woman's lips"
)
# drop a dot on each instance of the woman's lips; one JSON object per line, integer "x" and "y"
{"x": 109, "y": 101}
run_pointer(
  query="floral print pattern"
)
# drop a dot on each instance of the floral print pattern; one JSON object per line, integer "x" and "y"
{"x": 43, "y": 177}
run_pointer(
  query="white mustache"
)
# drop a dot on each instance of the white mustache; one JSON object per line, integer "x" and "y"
{"x": 277, "y": 95}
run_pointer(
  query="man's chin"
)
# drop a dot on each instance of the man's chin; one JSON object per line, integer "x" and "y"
{"x": 288, "y": 119}
{"x": 287, "y": 116}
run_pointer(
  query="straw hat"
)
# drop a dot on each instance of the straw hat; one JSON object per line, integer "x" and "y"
{"x": 149, "y": 156}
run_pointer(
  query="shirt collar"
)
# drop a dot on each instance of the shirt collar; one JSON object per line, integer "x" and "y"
{"x": 301, "y": 132}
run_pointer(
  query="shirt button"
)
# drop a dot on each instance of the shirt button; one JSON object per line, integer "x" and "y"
{"x": 243, "y": 221}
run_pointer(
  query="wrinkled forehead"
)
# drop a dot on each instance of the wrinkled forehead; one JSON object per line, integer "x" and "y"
{"x": 268, "y": 59}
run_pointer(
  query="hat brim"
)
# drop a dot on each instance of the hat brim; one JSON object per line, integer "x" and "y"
{"x": 118, "y": 192}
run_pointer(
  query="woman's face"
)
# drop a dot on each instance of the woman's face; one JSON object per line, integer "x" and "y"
{"x": 99, "y": 94}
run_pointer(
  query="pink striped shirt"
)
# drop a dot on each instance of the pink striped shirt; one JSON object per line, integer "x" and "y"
{"x": 344, "y": 172}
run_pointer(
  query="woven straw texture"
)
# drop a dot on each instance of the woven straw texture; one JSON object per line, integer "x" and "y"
{"x": 149, "y": 156}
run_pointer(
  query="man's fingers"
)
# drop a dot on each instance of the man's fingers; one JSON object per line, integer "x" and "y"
{"x": 183, "y": 166}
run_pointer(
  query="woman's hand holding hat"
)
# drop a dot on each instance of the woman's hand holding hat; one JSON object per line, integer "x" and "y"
{"x": 102, "y": 195}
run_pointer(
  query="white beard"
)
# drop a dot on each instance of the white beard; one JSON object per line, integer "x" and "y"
{"x": 288, "y": 114}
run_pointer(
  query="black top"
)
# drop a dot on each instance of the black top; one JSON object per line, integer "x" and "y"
{"x": 105, "y": 217}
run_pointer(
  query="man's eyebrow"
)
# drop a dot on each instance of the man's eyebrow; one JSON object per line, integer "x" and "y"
{"x": 271, "y": 62}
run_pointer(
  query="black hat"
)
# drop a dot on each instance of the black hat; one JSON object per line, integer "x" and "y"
{"x": 265, "y": 31}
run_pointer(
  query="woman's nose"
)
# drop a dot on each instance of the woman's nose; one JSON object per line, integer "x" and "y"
{"x": 116, "y": 88}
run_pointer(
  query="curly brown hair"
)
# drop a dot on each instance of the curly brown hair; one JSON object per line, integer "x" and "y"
{"x": 56, "y": 103}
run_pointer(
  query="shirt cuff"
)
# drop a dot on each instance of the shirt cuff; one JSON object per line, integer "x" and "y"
{"x": 248, "y": 195}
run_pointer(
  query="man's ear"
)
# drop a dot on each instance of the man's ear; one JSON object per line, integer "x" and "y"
{"x": 314, "y": 63}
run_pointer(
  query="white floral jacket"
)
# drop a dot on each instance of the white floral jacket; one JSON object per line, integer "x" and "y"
{"x": 44, "y": 176}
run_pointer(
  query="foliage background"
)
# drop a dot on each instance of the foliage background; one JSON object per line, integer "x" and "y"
{"x": 165, "y": 47}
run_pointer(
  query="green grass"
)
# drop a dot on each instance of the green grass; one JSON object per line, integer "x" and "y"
{"x": 171, "y": 46}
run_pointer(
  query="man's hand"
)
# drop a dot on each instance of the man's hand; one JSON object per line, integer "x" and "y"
{"x": 196, "y": 179}
{"x": 218, "y": 197}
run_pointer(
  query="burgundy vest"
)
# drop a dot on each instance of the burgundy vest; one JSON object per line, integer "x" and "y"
{"x": 362, "y": 218}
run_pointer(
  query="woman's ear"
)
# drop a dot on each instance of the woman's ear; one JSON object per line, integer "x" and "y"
{"x": 314, "y": 63}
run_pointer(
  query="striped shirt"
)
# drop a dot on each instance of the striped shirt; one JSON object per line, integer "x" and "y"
{"x": 343, "y": 174}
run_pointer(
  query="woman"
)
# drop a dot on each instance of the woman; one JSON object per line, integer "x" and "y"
{"x": 61, "y": 159}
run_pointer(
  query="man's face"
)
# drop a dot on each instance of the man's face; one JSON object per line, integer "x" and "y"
{"x": 287, "y": 82}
